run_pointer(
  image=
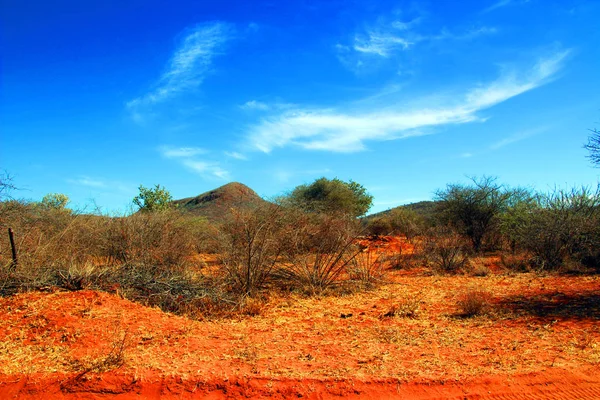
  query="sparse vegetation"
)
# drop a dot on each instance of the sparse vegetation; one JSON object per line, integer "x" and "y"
{"x": 446, "y": 251}
{"x": 473, "y": 302}
{"x": 320, "y": 250}
{"x": 153, "y": 199}
{"x": 593, "y": 146}
{"x": 473, "y": 210}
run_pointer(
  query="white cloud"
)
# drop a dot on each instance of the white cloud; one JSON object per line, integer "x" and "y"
{"x": 255, "y": 105}
{"x": 517, "y": 137}
{"x": 207, "y": 169}
{"x": 188, "y": 66}
{"x": 387, "y": 39}
{"x": 347, "y": 131}
{"x": 181, "y": 152}
{"x": 469, "y": 34}
{"x": 380, "y": 43}
{"x": 236, "y": 155}
{"x": 87, "y": 181}
{"x": 501, "y": 4}
{"x": 186, "y": 156}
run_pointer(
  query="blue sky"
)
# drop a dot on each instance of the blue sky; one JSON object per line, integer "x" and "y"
{"x": 98, "y": 97}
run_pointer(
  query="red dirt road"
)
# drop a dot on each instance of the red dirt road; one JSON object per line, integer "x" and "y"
{"x": 553, "y": 384}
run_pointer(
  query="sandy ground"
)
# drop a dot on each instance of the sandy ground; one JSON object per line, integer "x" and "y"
{"x": 539, "y": 338}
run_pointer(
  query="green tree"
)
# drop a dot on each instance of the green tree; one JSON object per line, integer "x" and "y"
{"x": 332, "y": 196}
{"x": 156, "y": 199}
{"x": 56, "y": 201}
{"x": 406, "y": 221}
{"x": 473, "y": 209}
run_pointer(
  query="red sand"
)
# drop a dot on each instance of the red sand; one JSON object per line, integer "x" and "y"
{"x": 541, "y": 342}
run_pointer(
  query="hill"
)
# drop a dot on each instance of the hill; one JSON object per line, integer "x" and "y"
{"x": 217, "y": 203}
{"x": 424, "y": 208}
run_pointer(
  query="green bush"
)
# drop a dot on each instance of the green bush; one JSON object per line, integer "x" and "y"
{"x": 331, "y": 196}
{"x": 565, "y": 227}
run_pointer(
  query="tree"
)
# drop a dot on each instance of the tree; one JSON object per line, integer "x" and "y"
{"x": 6, "y": 186}
{"x": 332, "y": 197}
{"x": 593, "y": 146}
{"x": 406, "y": 221}
{"x": 473, "y": 209}
{"x": 157, "y": 199}
{"x": 55, "y": 201}
{"x": 565, "y": 226}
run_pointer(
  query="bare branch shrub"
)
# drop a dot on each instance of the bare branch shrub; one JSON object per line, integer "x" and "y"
{"x": 153, "y": 238}
{"x": 251, "y": 244}
{"x": 446, "y": 251}
{"x": 321, "y": 247}
{"x": 564, "y": 228}
{"x": 367, "y": 267}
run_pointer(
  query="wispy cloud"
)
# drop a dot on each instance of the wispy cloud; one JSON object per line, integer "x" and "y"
{"x": 390, "y": 39}
{"x": 469, "y": 34}
{"x": 87, "y": 181}
{"x": 285, "y": 175}
{"x": 255, "y": 105}
{"x": 501, "y": 4}
{"x": 347, "y": 131}
{"x": 206, "y": 168}
{"x": 181, "y": 152}
{"x": 187, "y": 156}
{"x": 236, "y": 155}
{"x": 188, "y": 66}
{"x": 381, "y": 44}
{"x": 384, "y": 39}
{"x": 517, "y": 137}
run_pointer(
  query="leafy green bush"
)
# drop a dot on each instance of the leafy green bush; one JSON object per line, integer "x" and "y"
{"x": 156, "y": 199}
{"x": 332, "y": 196}
{"x": 473, "y": 210}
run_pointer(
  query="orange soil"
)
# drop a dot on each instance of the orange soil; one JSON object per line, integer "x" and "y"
{"x": 541, "y": 340}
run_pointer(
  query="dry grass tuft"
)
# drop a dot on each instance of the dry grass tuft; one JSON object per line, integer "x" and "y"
{"x": 473, "y": 302}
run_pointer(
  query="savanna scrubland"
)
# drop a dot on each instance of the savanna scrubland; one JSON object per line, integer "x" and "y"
{"x": 487, "y": 290}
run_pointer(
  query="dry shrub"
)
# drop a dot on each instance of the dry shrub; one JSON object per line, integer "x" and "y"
{"x": 446, "y": 251}
{"x": 177, "y": 290}
{"x": 252, "y": 306}
{"x": 48, "y": 237}
{"x": 410, "y": 260}
{"x": 320, "y": 249}
{"x": 51, "y": 241}
{"x": 408, "y": 307}
{"x": 515, "y": 262}
{"x": 367, "y": 268}
{"x": 473, "y": 302}
{"x": 251, "y": 243}
{"x": 114, "y": 357}
{"x": 478, "y": 268}
{"x": 161, "y": 238}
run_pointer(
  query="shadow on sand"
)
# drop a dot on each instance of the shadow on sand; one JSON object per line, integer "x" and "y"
{"x": 556, "y": 305}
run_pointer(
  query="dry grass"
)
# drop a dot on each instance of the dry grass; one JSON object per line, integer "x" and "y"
{"x": 473, "y": 302}
{"x": 304, "y": 337}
